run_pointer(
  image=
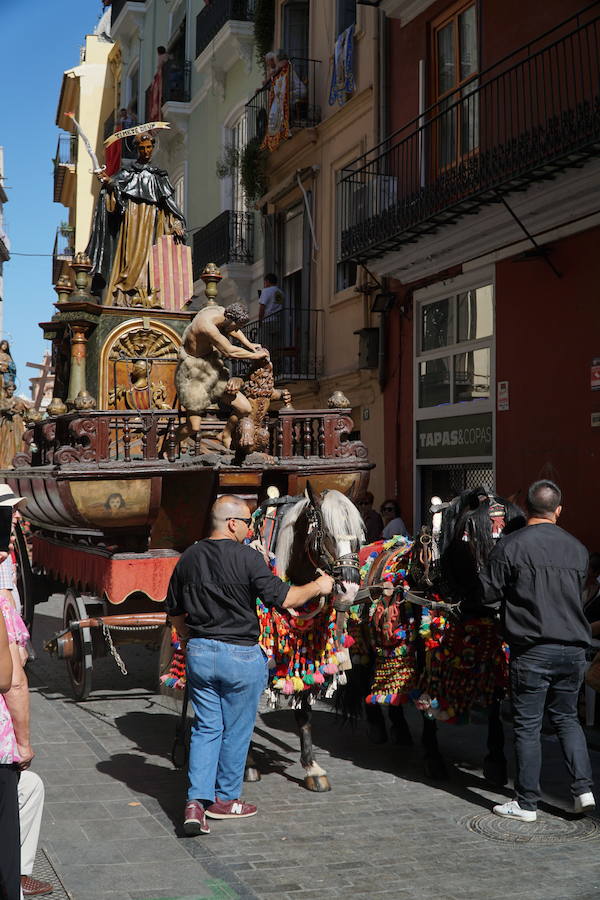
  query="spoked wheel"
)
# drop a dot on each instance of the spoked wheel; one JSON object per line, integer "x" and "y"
{"x": 24, "y": 577}
{"x": 79, "y": 665}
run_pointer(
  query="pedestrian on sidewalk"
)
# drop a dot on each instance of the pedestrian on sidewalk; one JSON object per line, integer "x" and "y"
{"x": 10, "y": 850}
{"x": 211, "y": 602}
{"x": 30, "y": 788}
{"x": 535, "y": 576}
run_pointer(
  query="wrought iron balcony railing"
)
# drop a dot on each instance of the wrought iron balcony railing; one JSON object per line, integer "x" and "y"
{"x": 227, "y": 239}
{"x": 64, "y": 249}
{"x": 531, "y": 116}
{"x": 264, "y": 110}
{"x": 214, "y": 16}
{"x": 292, "y": 336}
{"x": 176, "y": 85}
{"x": 64, "y": 162}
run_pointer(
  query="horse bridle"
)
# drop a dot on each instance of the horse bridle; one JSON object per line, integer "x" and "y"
{"x": 333, "y": 566}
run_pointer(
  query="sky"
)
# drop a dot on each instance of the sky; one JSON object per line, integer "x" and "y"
{"x": 40, "y": 39}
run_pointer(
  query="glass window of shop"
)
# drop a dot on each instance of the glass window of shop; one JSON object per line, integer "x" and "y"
{"x": 454, "y": 440}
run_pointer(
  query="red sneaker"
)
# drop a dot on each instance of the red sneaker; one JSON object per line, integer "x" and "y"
{"x": 230, "y": 809}
{"x": 194, "y": 819}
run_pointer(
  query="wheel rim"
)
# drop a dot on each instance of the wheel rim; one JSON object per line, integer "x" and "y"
{"x": 79, "y": 665}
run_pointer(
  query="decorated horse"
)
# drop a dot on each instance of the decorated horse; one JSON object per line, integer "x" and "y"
{"x": 421, "y": 633}
{"x": 308, "y": 648}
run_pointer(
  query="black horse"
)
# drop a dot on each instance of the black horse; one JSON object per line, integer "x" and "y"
{"x": 448, "y": 673}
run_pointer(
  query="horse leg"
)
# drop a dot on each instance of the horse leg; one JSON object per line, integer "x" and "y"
{"x": 435, "y": 767}
{"x": 494, "y": 764}
{"x": 315, "y": 778}
{"x": 375, "y": 723}
{"x": 251, "y": 772}
{"x": 399, "y": 732}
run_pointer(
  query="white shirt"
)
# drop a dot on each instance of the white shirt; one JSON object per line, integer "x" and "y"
{"x": 272, "y": 299}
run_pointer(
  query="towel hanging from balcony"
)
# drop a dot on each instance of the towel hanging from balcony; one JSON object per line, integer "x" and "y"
{"x": 342, "y": 75}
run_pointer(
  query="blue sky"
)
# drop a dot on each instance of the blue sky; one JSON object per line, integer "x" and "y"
{"x": 40, "y": 39}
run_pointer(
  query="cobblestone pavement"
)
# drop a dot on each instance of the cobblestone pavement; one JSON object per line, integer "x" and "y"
{"x": 113, "y": 803}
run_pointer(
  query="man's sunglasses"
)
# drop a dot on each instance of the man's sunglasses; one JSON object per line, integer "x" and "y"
{"x": 248, "y": 521}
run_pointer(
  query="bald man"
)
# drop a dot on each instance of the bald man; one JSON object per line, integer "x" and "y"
{"x": 212, "y": 604}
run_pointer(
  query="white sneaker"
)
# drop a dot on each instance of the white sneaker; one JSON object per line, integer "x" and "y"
{"x": 512, "y": 810}
{"x": 584, "y": 802}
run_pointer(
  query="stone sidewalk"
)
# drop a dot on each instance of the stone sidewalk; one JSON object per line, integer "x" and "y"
{"x": 113, "y": 805}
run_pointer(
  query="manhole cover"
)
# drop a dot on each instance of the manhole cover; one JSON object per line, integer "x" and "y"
{"x": 546, "y": 830}
{"x": 43, "y": 870}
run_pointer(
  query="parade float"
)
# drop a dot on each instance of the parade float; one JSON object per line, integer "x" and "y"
{"x": 120, "y": 474}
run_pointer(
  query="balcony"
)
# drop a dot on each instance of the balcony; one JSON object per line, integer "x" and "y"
{"x": 176, "y": 85}
{"x": 126, "y": 18}
{"x": 63, "y": 251}
{"x": 529, "y": 118}
{"x": 215, "y": 16}
{"x": 227, "y": 239}
{"x": 64, "y": 169}
{"x": 293, "y": 337}
{"x": 301, "y": 95}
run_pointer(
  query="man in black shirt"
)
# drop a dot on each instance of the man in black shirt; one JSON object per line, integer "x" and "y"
{"x": 535, "y": 576}
{"x": 212, "y": 604}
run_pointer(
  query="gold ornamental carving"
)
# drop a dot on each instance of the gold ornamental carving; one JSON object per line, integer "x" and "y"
{"x": 144, "y": 343}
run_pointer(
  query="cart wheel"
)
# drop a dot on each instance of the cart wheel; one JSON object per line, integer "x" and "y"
{"x": 25, "y": 578}
{"x": 79, "y": 666}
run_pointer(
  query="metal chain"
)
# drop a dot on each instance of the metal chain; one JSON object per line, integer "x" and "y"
{"x": 113, "y": 650}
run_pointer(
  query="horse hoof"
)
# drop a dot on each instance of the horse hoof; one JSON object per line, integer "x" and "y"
{"x": 400, "y": 736}
{"x": 318, "y": 783}
{"x": 251, "y": 774}
{"x": 494, "y": 770}
{"x": 435, "y": 768}
{"x": 377, "y": 734}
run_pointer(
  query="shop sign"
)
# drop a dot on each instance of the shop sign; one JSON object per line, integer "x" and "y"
{"x": 458, "y": 436}
{"x": 503, "y": 401}
{"x": 595, "y": 374}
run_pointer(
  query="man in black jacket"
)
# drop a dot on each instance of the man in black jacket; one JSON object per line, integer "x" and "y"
{"x": 535, "y": 576}
{"x": 212, "y": 604}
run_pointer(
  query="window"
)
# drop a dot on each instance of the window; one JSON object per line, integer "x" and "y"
{"x": 456, "y": 64}
{"x": 238, "y": 138}
{"x": 295, "y": 28}
{"x": 345, "y": 15}
{"x": 454, "y": 353}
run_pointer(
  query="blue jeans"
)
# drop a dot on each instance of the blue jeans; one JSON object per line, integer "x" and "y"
{"x": 548, "y": 675}
{"x": 225, "y": 683}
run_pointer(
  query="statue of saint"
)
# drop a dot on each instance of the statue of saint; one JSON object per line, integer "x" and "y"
{"x": 12, "y": 425}
{"x": 135, "y": 208}
{"x": 141, "y": 393}
{"x": 8, "y": 370}
{"x": 202, "y": 377}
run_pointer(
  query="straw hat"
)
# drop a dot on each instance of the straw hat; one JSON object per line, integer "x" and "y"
{"x": 8, "y": 497}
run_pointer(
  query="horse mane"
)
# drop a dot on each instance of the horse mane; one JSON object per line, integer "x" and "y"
{"x": 285, "y": 538}
{"x": 341, "y": 519}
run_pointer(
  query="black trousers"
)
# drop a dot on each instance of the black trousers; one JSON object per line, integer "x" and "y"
{"x": 10, "y": 835}
{"x": 550, "y": 676}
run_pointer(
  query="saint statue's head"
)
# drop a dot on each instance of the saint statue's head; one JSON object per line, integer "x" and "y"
{"x": 237, "y": 314}
{"x": 145, "y": 146}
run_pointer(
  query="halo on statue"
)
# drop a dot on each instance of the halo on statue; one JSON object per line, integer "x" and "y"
{"x": 136, "y": 129}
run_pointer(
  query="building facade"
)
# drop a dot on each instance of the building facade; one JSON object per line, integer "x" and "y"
{"x": 480, "y": 209}
{"x": 88, "y": 92}
{"x": 318, "y": 108}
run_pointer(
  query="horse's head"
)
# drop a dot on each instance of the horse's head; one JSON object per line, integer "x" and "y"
{"x": 471, "y": 526}
{"x": 322, "y": 532}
